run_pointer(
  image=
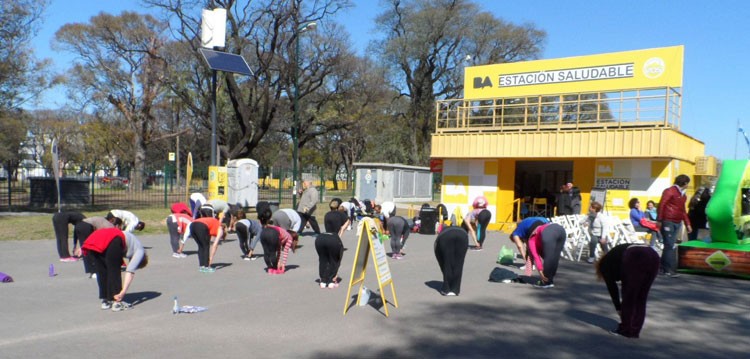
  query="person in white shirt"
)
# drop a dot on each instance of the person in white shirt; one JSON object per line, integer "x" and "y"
{"x": 130, "y": 221}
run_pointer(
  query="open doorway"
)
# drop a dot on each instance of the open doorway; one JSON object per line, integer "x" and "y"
{"x": 537, "y": 180}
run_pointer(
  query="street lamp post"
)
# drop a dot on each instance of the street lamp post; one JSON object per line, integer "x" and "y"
{"x": 295, "y": 126}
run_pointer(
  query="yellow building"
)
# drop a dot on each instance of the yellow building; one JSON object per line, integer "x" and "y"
{"x": 603, "y": 121}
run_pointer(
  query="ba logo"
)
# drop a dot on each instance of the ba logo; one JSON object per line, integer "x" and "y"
{"x": 480, "y": 83}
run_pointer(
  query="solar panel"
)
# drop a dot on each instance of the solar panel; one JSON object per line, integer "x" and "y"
{"x": 223, "y": 61}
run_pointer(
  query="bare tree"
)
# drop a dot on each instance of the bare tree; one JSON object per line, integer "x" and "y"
{"x": 427, "y": 42}
{"x": 120, "y": 66}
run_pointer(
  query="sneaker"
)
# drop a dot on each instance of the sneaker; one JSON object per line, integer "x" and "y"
{"x": 120, "y": 306}
{"x": 451, "y": 294}
{"x": 672, "y": 274}
{"x": 590, "y": 260}
{"x": 322, "y": 285}
{"x": 252, "y": 258}
{"x": 333, "y": 285}
{"x": 523, "y": 267}
{"x": 202, "y": 269}
{"x": 209, "y": 269}
{"x": 477, "y": 248}
{"x": 273, "y": 271}
{"x": 106, "y": 304}
{"x": 69, "y": 259}
{"x": 176, "y": 255}
{"x": 246, "y": 258}
{"x": 540, "y": 284}
{"x": 92, "y": 275}
{"x": 615, "y": 332}
{"x": 183, "y": 255}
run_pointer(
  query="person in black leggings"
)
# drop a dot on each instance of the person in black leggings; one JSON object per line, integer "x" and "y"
{"x": 451, "y": 246}
{"x": 60, "y": 223}
{"x": 635, "y": 265}
{"x": 329, "y": 246}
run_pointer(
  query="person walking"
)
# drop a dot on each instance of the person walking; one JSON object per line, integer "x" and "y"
{"x": 547, "y": 242}
{"x": 635, "y": 266}
{"x": 60, "y": 223}
{"x": 670, "y": 216}
{"x": 328, "y": 245}
{"x": 451, "y": 246}
{"x": 107, "y": 247}
{"x": 306, "y": 208}
{"x": 248, "y": 235}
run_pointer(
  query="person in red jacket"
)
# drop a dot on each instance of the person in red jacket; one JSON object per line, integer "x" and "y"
{"x": 670, "y": 215}
{"x": 106, "y": 248}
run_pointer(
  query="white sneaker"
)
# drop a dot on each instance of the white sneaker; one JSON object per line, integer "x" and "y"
{"x": 183, "y": 255}
{"x": 451, "y": 294}
{"x": 590, "y": 260}
{"x": 176, "y": 255}
{"x": 322, "y": 285}
{"x": 92, "y": 275}
{"x": 106, "y": 304}
{"x": 120, "y": 306}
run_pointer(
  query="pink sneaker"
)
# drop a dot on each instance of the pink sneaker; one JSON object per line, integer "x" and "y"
{"x": 273, "y": 271}
{"x": 69, "y": 259}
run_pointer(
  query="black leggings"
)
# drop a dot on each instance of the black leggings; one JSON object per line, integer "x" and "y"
{"x": 202, "y": 237}
{"x": 483, "y": 219}
{"x": 553, "y": 241}
{"x": 108, "y": 272}
{"x": 83, "y": 230}
{"x": 269, "y": 239}
{"x": 330, "y": 251}
{"x": 450, "y": 250}
{"x": 60, "y": 225}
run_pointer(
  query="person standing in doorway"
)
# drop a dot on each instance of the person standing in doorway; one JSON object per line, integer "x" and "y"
{"x": 670, "y": 216}
{"x": 306, "y": 208}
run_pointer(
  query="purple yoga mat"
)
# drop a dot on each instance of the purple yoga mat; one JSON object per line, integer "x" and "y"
{"x": 4, "y": 278}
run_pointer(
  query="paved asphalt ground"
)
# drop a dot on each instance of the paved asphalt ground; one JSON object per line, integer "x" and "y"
{"x": 252, "y": 314}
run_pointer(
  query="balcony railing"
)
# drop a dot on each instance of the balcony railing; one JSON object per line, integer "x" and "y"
{"x": 645, "y": 108}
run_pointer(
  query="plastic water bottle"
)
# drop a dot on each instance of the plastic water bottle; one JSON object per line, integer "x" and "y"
{"x": 52, "y": 270}
{"x": 176, "y": 307}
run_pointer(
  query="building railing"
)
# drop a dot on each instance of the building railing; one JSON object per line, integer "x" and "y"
{"x": 656, "y": 107}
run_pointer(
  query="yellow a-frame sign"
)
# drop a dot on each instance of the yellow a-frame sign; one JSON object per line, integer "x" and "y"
{"x": 367, "y": 244}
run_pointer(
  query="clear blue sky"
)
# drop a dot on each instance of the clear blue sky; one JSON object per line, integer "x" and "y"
{"x": 717, "y": 50}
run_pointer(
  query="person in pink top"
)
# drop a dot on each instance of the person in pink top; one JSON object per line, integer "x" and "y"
{"x": 177, "y": 223}
{"x": 545, "y": 245}
{"x": 276, "y": 243}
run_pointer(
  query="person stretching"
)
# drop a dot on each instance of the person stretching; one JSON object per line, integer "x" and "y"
{"x": 329, "y": 246}
{"x": 451, "y": 246}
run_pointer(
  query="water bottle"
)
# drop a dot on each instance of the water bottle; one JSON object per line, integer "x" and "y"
{"x": 52, "y": 270}
{"x": 176, "y": 307}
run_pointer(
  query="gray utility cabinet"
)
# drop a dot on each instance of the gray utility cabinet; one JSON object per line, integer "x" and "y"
{"x": 392, "y": 182}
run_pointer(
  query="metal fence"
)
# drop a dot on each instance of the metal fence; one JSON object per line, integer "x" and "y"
{"x": 161, "y": 188}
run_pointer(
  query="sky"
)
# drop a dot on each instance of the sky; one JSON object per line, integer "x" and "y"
{"x": 715, "y": 77}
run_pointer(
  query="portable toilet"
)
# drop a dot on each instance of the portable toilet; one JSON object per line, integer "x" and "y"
{"x": 242, "y": 176}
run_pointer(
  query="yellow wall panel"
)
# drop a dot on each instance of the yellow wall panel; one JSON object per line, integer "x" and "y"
{"x": 505, "y": 192}
{"x": 455, "y": 189}
{"x": 490, "y": 167}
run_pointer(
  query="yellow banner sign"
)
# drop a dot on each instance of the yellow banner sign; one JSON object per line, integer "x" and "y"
{"x": 650, "y": 68}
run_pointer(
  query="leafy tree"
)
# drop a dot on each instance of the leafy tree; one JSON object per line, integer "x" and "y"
{"x": 22, "y": 76}
{"x": 426, "y": 43}
{"x": 265, "y": 34}
{"x": 120, "y": 67}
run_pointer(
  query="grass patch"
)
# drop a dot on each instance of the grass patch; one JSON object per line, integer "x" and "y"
{"x": 38, "y": 226}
